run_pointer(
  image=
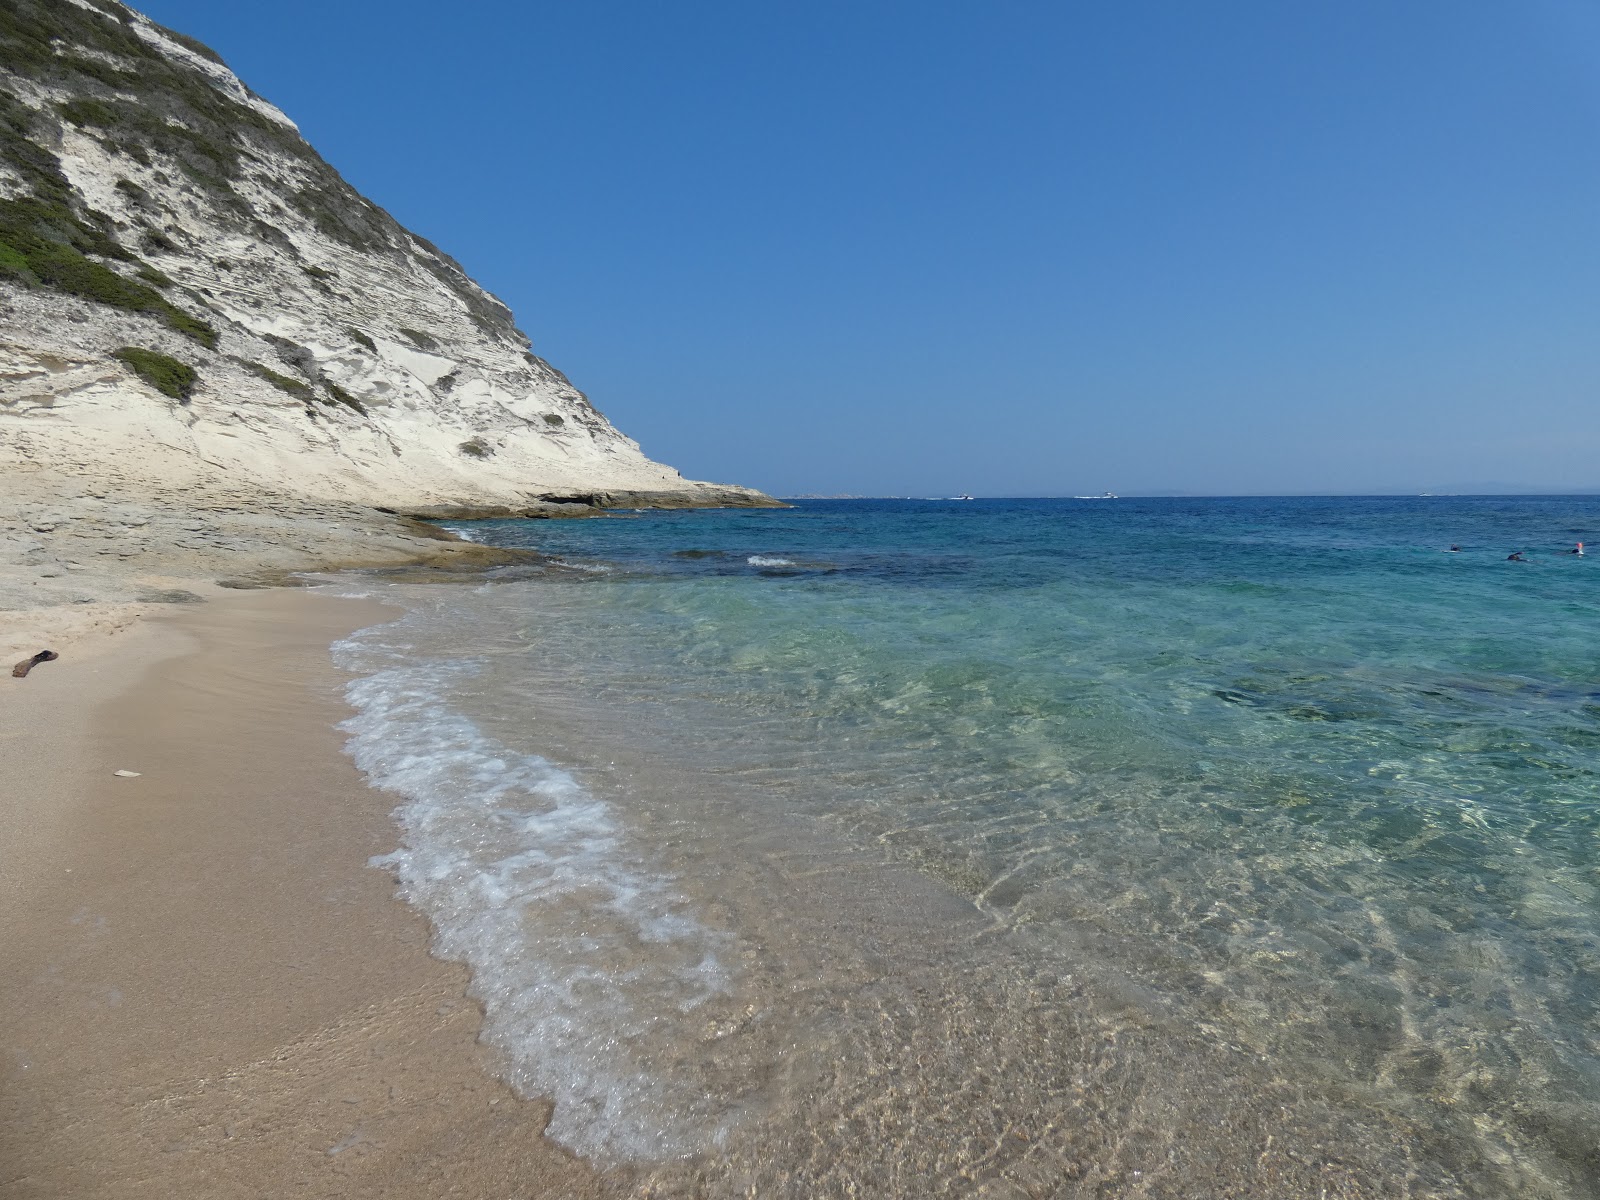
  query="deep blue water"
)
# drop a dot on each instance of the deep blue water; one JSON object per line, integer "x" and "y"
{"x": 1312, "y": 793}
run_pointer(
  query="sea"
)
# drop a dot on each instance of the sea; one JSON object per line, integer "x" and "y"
{"x": 1115, "y": 847}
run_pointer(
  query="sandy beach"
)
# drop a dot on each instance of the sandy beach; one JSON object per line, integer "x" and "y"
{"x": 206, "y": 991}
{"x": 1150, "y": 752}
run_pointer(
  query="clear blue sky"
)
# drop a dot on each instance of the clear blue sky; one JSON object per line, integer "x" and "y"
{"x": 1003, "y": 247}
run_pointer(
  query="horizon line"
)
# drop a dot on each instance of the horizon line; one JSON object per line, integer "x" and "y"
{"x": 1591, "y": 493}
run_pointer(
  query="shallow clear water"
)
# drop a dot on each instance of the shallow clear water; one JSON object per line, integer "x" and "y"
{"x": 1135, "y": 847}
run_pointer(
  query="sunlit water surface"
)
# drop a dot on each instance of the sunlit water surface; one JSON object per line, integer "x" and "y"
{"x": 1023, "y": 848}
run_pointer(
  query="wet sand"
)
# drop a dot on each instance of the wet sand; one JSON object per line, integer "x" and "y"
{"x": 205, "y": 991}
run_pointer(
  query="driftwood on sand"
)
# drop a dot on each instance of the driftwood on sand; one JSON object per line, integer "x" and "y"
{"x": 28, "y": 664}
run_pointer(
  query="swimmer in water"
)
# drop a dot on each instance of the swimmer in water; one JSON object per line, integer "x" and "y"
{"x": 1578, "y": 551}
{"x": 1515, "y": 556}
{"x": 1454, "y": 549}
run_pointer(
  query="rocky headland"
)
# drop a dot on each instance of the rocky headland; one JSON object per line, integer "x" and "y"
{"x": 218, "y": 361}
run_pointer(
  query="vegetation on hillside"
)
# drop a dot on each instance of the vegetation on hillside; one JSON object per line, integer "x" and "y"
{"x": 305, "y": 392}
{"x": 297, "y": 388}
{"x": 340, "y": 396}
{"x": 422, "y": 341}
{"x": 168, "y": 116}
{"x": 46, "y": 237}
{"x": 167, "y": 375}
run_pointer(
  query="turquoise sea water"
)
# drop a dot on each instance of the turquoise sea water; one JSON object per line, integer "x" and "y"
{"x": 1124, "y": 847}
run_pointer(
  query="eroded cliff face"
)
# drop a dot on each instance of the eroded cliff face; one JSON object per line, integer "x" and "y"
{"x": 189, "y": 294}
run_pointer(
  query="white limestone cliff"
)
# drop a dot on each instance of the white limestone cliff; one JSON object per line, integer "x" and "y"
{"x": 352, "y": 361}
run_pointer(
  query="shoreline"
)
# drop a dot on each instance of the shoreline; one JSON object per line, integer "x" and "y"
{"x": 887, "y": 996}
{"x": 207, "y": 986}
{"x": 85, "y": 556}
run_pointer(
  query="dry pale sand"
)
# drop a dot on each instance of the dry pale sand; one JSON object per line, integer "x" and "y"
{"x": 204, "y": 991}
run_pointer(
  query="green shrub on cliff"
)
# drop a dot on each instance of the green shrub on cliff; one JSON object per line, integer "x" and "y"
{"x": 284, "y": 383}
{"x": 305, "y": 392}
{"x": 45, "y": 241}
{"x": 29, "y": 256}
{"x": 345, "y": 398}
{"x": 164, "y": 114}
{"x": 167, "y": 375}
{"x": 13, "y": 264}
{"x": 190, "y": 326}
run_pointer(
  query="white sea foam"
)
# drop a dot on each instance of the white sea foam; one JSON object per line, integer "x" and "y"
{"x": 591, "y": 568}
{"x": 586, "y": 960}
{"x": 766, "y": 560}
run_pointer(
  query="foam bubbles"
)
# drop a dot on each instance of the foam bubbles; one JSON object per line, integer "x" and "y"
{"x": 588, "y": 568}
{"x": 586, "y": 960}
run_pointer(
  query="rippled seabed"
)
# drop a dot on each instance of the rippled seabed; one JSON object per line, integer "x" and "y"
{"x": 1034, "y": 848}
